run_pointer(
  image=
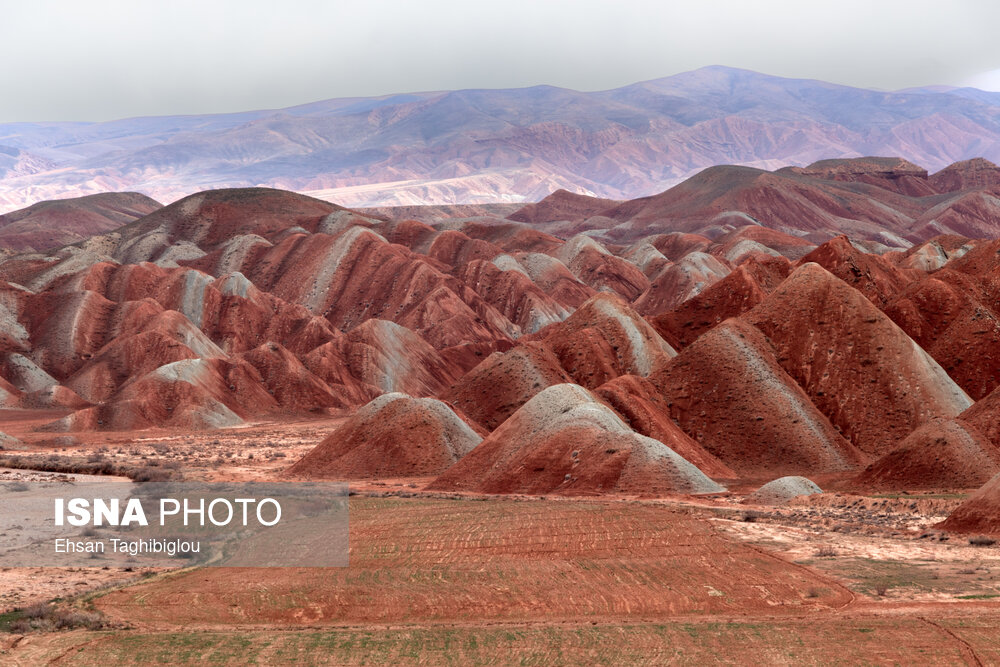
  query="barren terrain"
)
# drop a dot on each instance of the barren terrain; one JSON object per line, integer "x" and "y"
{"x": 753, "y": 418}
{"x": 439, "y": 578}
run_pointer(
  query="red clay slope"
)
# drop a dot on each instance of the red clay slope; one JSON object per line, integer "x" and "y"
{"x": 677, "y": 283}
{"x": 603, "y": 339}
{"x": 958, "y": 322}
{"x": 50, "y": 224}
{"x": 985, "y": 416}
{"x": 966, "y": 175}
{"x": 392, "y": 436}
{"x": 942, "y": 454}
{"x": 562, "y": 205}
{"x": 772, "y": 199}
{"x": 861, "y": 370}
{"x": 646, "y": 412}
{"x": 502, "y": 383}
{"x": 733, "y": 295}
{"x": 873, "y": 276}
{"x": 727, "y": 391}
{"x": 979, "y": 514}
{"x": 563, "y": 441}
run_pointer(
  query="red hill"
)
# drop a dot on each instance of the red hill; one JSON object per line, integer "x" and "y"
{"x": 502, "y": 383}
{"x": 872, "y": 381}
{"x": 50, "y": 224}
{"x": 728, "y": 392}
{"x": 979, "y": 514}
{"x": 942, "y": 454}
{"x": 392, "y": 436}
{"x": 563, "y": 441}
{"x": 966, "y": 175}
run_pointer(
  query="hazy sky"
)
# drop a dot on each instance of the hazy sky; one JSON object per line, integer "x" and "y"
{"x": 103, "y": 59}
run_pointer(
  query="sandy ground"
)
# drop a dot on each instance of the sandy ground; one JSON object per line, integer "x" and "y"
{"x": 553, "y": 571}
{"x": 23, "y": 586}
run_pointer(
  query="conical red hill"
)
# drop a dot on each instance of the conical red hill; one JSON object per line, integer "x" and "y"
{"x": 416, "y": 236}
{"x": 985, "y": 416}
{"x": 168, "y": 337}
{"x": 934, "y": 254}
{"x": 973, "y": 214}
{"x": 781, "y": 491}
{"x": 502, "y": 383}
{"x": 564, "y": 441}
{"x": 605, "y": 338}
{"x": 513, "y": 236}
{"x": 769, "y": 272}
{"x": 647, "y": 413}
{"x": 452, "y": 247}
{"x": 228, "y": 309}
{"x": 562, "y": 205}
{"x": 215, "y": 216}
{"x": 981, "y": 260}
{"x": 741, "y": 242}
{"x": 379, "y": 357}
{"x": 393, "y": 358}
{"x": 728, "y": 392}
{"x": 392, "y": 436}
{"x": 292, "y": 385}
{"x": 50, "y": 224}
{"x": 979, "y": 514}
{"x": 56, "y": 396}
{"x": 191, "y": 393}
{"x": 951, "y": 317}
{"x": 554, "y": 278}
{"x": 330, "y": 363}
{"x": 873, "y": 276}
{"x": 247, "y": 318}
{"x": 646, "y": 257}
{"x": 593, "y": 265}
{"x": 942, "y": 454}
{"x": 358, "y": 276}
{"x": 679, "y": 282}
{"x": 66, "y": 329}
{"x": 732, "y": 296}
{"x": 24, "y": 374}
{"x": 861, "y": 370}
{"x": 676, "y": 245}
{"x": 506, "y": 286}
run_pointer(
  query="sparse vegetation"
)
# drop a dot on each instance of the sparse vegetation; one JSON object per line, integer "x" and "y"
{"x": 47, "y": 617}
{"x": 139, "y": 472}
{"x": 982, "y": 541}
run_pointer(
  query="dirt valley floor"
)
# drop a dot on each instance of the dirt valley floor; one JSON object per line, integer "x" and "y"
{"x": 465, "y": 578}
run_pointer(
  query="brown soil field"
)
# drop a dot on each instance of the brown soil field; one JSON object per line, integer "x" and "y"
{"x": 467, "y": 579}
{"x": 934, "y": 639}
{"x": 446, "y": 561}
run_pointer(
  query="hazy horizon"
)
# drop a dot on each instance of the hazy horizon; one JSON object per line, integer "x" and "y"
{"x": 111, "y": 59}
